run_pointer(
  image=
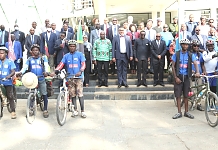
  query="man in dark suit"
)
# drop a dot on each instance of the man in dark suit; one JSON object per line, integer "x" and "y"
{"x": 30, "y": 40}
{"x": 105, "y": 26}
{"x": 61, "y": 47}
{"x": 48, "y": 38}
{"x": 111, "y": 33}
{"x": 69, "y": 35}
{"x": 3, "y": 36}
{"x": 121, "y": 53}
{"x": 158, "y": 50}
{"x": 201, "y": 38}
{"x": 53, "y": 26}
{"x": 19, "y": 36}
{"x": 70, "y": 29}
{"x": 141, "y": 53}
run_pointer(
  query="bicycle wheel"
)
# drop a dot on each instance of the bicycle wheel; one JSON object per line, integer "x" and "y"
{"x": 9, "y": 106}
{"x": 211, "y": 111}
{"x": 61, "y": 109}
{"x": 1, "y": 108}
{"x": 40, "y": 102}
{"x": 31, "y": 108}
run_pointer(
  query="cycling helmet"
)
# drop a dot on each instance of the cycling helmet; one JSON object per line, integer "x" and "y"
{"x": 72, "y": 42}
{"x": 210, "y": 42}
{"x": 184, "y": 41}
{"x": 35, "y": 45}
{"x": 195, "y": 42}
{"x": 4, "y": 48}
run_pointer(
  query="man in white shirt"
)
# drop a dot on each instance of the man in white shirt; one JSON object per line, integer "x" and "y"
{"x": 44, "y": 28}
{"x": 203, "y": 27}
{"x": 210, "y": 62}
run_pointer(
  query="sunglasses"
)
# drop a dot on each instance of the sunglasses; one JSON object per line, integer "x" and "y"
{"x": 165, "y": 27}
{"x": 157, "y": 36}
{"x": 197, "y": 30}
{"x": 114, "y": 20}
{"x": 196, "y": 45}
{"x": 211, "y": 22}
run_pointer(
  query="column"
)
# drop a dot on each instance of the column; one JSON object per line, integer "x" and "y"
{"x": 181, "y": 17}
{"x": 162, "y": 14}
{"x": 154, "y": 16}
{"x": 213, "y": 15}
{"x": 102, "y": 10}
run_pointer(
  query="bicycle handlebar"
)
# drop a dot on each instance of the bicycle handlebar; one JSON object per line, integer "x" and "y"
{"x": 213, "y": 76}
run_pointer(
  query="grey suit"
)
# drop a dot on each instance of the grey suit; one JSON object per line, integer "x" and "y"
{"x": 29, "y": 42}
{"x": 94, "y": 36}
{"x": 158, "y": 63}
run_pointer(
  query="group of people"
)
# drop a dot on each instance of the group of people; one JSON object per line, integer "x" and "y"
{"x": 106, "y": 45}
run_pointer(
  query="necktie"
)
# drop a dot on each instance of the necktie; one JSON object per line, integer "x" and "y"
{"x": 32, "y": 39}
{"x": 149, "y": 36}
{"x": 158, "y": 44}
{"x": 115, "y": 31}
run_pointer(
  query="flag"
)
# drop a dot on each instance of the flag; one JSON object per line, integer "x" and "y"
{"x": 80, "y": 38}
{"x": 11, "y": 54}
{"x": 46, "y": 48}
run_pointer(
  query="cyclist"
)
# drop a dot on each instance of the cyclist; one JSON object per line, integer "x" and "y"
{"x": 38, "y": 65}
{"x": 182, "y": 71}
{"x": 210, "y": 63}
{"x": 195, "y": 44}
{"x": 74, "y": 62}
{"x": 7, "y": 68}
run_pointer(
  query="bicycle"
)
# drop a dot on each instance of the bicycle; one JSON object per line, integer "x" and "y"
{"x": 34, "y": 100}
{"x": 4, "y": 102}
{"x": 64, "y": 101}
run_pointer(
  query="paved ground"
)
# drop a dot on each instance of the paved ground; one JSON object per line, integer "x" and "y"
{"x": 111, "y": 125}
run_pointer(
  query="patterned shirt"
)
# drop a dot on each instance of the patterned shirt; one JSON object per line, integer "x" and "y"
{"x": 102, "y": 50}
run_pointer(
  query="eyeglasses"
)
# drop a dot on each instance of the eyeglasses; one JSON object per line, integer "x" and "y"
{"x": 165, "y": 27}
{"x": 114, "y": 20}
{"x": 157, "y": 36}
{"x": 211, "y": 22}
{"x": 197, "y": 30}
{"x": 196, "y": 45}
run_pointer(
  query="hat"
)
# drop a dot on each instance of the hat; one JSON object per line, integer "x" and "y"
{"x": 72, "y": 42}
{"x": 30, "y": 80}
{"x": 184, "y": 41}
{"x": 159, "y": 20}
{"x": 3, "y": 48}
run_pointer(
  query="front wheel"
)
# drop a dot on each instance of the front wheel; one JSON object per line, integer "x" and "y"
{"x": 31, "y": 108}
{"x": 211, "y": 109}
{"x": 61, "y": 109}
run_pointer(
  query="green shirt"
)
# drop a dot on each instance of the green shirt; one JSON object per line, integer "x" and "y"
{"x": 102, "y": 50}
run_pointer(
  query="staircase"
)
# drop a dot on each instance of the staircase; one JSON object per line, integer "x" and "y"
{"x": 93, "y": 92}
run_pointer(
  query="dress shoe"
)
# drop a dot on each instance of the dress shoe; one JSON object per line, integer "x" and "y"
{"x": 112, "y": 73}
{"x": 106, "y": 85}
{"x": 126, "y": 85}
{"x": 155, "y": 84}
{"x": 139, "y": 84}
{"x": 99, "y": 85}
{"x": 119, "y": 85}
{"x": 145, "y": 84}
{"x": 162, "y": 84}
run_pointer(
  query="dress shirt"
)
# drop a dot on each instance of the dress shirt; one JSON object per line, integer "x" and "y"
{"x": 150, "y": 34}
{"x": 48, "y": 35}
{"x": 98, "y": 32}
{"x": 122, "y": 45}
{"x": 114, "y": 29}
{"x": 183, "y": 34}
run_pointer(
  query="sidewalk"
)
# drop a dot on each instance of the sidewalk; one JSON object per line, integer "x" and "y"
{"x": 110, "y": 125}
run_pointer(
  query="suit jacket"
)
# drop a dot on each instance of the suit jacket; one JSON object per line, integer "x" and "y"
{"x": 60, "y": 52}
{"x": 86, "y": 33}
{"x": 142, "y": 49}
{"x": 17, "y": 49}
{"x": 204, "y": 37}
{"x": 102, "y": 27}
{"x": 5, "y": 38}
{"x": 187, "y": 33}
{"x": 109, "y": 34}
{"x": 137, "y": 35}
{"x": 69, "y": 36}
{"x": 161, "y": 50}
{"x": 191, "y": 27}
{"x": 94, "y": 36}
{"x": 70, "y": 29}
{"x": 50, "y": 42}
{"x": 116, "y": 47}
{"x": 28, "y": 42}
{"x": 57, "y": 33}
{"x": 21, "y": 38}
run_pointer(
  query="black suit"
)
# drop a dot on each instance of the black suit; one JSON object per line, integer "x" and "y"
{"x": 121, "y": 58}
{"x": 158, "y": 63}
{"x": 110, "y": 36}
{"x": 60, "y": 52}
{"x": 29, "y": 42}
{"x": 5, "y": 38}
{"x": 21, "y": 38}
{"x": 142, "y": 52}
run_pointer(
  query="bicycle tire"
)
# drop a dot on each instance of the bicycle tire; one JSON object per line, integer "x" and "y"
{"x": 61, "y": 119}
{"x": 31, "y": 114}
{"x": 1, "y": 108}
{"x": 9, "y": 107}
{"x": 40, "y": 102}
{"x": 210, "y": 110}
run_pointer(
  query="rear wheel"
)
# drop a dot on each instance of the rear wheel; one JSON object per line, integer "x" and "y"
{"x": 61, "y": 109}
{"x": 40, "y": 102}
{"x": 31, "y": 108}
{"x": 211, "y": 109}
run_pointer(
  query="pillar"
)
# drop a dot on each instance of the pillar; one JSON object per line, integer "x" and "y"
{"x": 154, "y": 16}
{"x": 102, "y": 10}
{"x": 162, "y": 15}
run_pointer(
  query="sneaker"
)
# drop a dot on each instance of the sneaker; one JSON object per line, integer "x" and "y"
{"x": 74, "y": 113}
{"x": 199, "y": 107}
{"x": 83, "y": 115}
{"x": 187, "y": 114}
{"x": 178, "y": 115}
{"x": 13, "y": 115}
{"x": 45, "y": 114}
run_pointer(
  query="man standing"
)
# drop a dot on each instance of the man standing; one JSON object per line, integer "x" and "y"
{"x": 204, "y": 27}
{"x": 141, "y": 53}
{"x": 121, "y": 53}
{"x": 184, "y": 34}
{"x": 37, "y": 31}
{"x": 47, "y": 24}
{"x": 69, "y": 35}
{"x": 182, "y": 71}
{"x": 174, "y": 27}
{"x": 30, "y": 40}
{"x": 16, "y": 47}
{"x": 102, "y": 53}
{"x": 158, "y": 50}
{"x": 211, "y": 25}
{"x": 69, "y": 29}
{"x": 105, "y": 26}
{"x": 125, "y": 26}
{"x": 53, "y": 27}
{"x": 111, "y": 33}
{"x": 47, "y": 46}
{"x": 191, "y": 25}
{"x": 212, "y": 36}
{"x": 158, "y": 28}
{"x": 3, "y": 36}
